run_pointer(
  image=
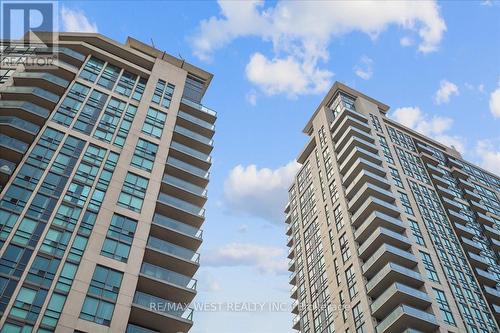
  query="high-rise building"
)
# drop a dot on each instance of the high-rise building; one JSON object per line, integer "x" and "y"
{"x": 104, "y": 158}
{"x": 389, "y": 230}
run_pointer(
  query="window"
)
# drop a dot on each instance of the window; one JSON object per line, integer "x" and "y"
{"x": 71, "y": 104}
{"x": 126, "y": 83}
{"x": 154, "y": 123}
{"x": 357, "y": 314}
{"x": 344, "y": 248}
{"x": 386, "y": 150}
{"x": 133, "y": 192}
{"x": 144, "y": 155}
{"x": 88, "y": 116}
{"x": 163, "y": 93}
{"x": 42, "y": 271}
{"x": 396, "y": 177}
{"x": 28, "y": 304}
{"x": 109, "y": 121}
{"x": 53, "y": 311}
{"x": 444, "y": 307}
{"x": 417, "y": 233}
{"x": 92, "y": 69}
{"x": 139, "y": 89}
{"x": 405, "y": 201}
{"x": 339, "y": 221}
{"x": 101, "y": 296}
{"x": 429, "y": 267}
{"x": 109, "y": 77}
{"x": 119, "y": 238}
{"x": 351, "y": 282}
{"x": 125, "y": 125}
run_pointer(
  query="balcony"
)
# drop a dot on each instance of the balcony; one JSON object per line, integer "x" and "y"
{"x": 28, "y": 111}
{"x": 291, "y": 265}
{"x": 176, "y": 232}
{"x": 375, "y": 220}
{"x": 379, "y": 237}
{"x": 493, "y": 294}
{"x": 478, "y": 207}
{"x": 360, "y": 165}
{"x": 43, "y": 80}
{"x": 187, "y": 171}
{"x": 289, "y": 241}
{"x": 466, "y": 184}
{"x": 131, "y": 328}
{"x": 492, "y": 232}
{"x": 429, "y": 158}
{"x": 198, "y": 110}
{"x": 470, "y": 245}
{"x": 193, "y": 139}
{"x": 389, "y": 274}
{"x": 451, "y": 204}
{"x": 190, "y": 155}
{"x": 405, "y": 316}
{"x": 165, "y": 283}
{"x": 12, "y": 149}
{"x": 358, "y": 153}
{"x": 294, "y": 292}
{"x": 355, "y": 142}
{"x": 184, "y": 190}
{"x": 291, "y": 252}
{"x": 485, "y": 219}
{"x": 180, "y": 210}
{"x": 295, "y": 307}
{"x": 470, "y": 195}
{"x": 69, "y": 55}
{"x": 196, "y": 124}
{"x": 434, "y": 170}
{"x": 366, "y": 177}
{"x": 168, "y": 255}
{"x": 160, "y": 314}
{"x": 387, "y": 254}
{"x": 343, "y": 124}
{"x": 293, "y": 278}
{"x": 374, "y": 204}
{"x": 486, "y": 278}
{"x": 478, "y": 261}
{"x": 18, "y": 128}
{"x": 296, "y": 323}
{"x": 439, "y": 180}
{"x": 369, "y": 190}
{"x": 397, "y": 294}
{"x": 6, "y": 170}
{"x": 352, "y": 132}
{"x": 459, "y": 173}
{"x": 35, "y": 95}
{"x": 289, "y": 229}
{"x": 345, "y": 113}
{"x": 496, "y": 244}
{"x": 59, "y": 68}
{"x": 464, "y": 231}
{"x": 458, "y": 217}
{"x": 445, "y": 192}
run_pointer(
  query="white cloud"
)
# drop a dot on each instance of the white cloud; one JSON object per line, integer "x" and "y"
{"x": 445, "y": 91}
{"x": 489, "y": 155}
{"x": 74, "y": 20}
{"x": 266, "y": 259}
{"x": 242, "y": 229}
{"x": 251, "y": 97}
{"x": 495, "y": 103}
{"x": 301, "y": 31}
{"x": 259, "y": 192}
{"x": 286, "y": 75}
{"x": 435, "y": 127}
{"x": 207, "y": 282}
{"x": 365, "y": 69}
{"x": 406, "y": 41}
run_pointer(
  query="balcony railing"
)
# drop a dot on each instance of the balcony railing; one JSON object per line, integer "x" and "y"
{"x": 45, "y": 76}
{"x": 182, "y": 205}
{"x": 20, "y": 123}
{"x": 190, "y": 151}
{"x": 188, "y": 167}
{"x": 7, "y": 166}
{"x": 169, "y": 276}
{"x": 131, "y": 328}
{"x": 177, "y": 225}
{"x": 195, "y": 120}
{"x": 9, "y": 142}
{"x": 198, "y": 106}
{"x": 47, "y": 95}
{"x": 180, "y": 183}
{"x": 157, "y": 304}
{"x": 176, "y": 250}
{"x": 193, "y": 135}
{"x": 26, "y": 106}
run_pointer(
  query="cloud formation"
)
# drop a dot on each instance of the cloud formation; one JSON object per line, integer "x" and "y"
{"x": 262, "y": 193}
{"x": 365, "y": 69}
{"x": 489, "y": 155}
{"x": 495, "y": 103}
{"x": 436, "y": 127}
{"x": 300, "y": 33}
{"x": 74, "y": 20}
{"x": 266, "y": 259}
{"x": 445, "y": 91}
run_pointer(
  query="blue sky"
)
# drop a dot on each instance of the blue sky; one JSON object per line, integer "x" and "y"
{"x": 436, "y": 65}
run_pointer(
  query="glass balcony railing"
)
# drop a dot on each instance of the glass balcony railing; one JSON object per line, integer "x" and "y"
{"x": 45, "y": 76}
{"x": 131, "y": 328}
{"x": 405, "y": 309}
{"x": 12, "y": 143}
{"x": 20, "y": 123}
{"x": 190, "y": 151}
{"x": 169, "y": 276}
{"x": 190, "y": 187}
{"x": 71, "y": 53}
{"x": 188, "y": 167}
{"x": 193, "y": 135}
{"x": 7, "y": 167}
{"x": 42, "y": 93}
{"x": 195, "y": 120}
{"x": 181, "y": 204}
{"x": 177, "y": 225}
{"x": 26, "y": 106}
{"x": 173, "y": 249}
{"x": 157, "y": 304}
{"x": 198, "y": 106}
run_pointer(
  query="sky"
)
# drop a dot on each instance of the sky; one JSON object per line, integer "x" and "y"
{"x": 437, "y": 64}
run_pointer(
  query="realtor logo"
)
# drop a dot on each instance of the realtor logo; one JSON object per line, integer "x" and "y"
{"x": 19, "y": 17}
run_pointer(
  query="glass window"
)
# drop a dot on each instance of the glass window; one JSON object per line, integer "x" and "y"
{"x": 133, "y": 192}
{"x": 109, "y": 77}
{"x": 126, "y": 83}
{"x": 429, "y": 267}
{"x": 144, "y": 155}
{"x": 444, "y": 307}
{"x": 119, "y": 238}
{"x": 154, "y": 123}
{"x": 92, "y": 69}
